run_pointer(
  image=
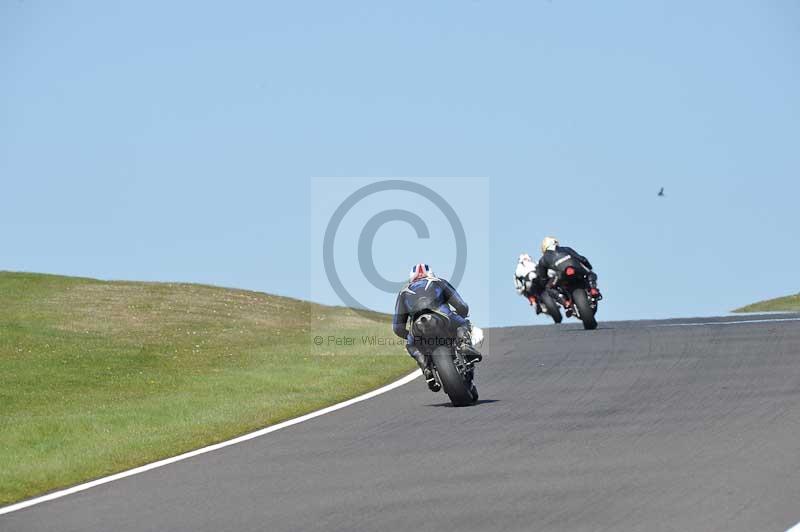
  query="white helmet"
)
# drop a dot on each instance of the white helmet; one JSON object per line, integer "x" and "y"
{"x": 524, "y": 258}
{"x": 419, "y": 271}
{"x": 549, "y": 242}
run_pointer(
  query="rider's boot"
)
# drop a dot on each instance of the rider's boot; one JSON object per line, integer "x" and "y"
{"x": 593, "y": 291}
{"x": 535, "y": 303}
{"x": 464, "y": 344}
{"x": 424, "y": 363}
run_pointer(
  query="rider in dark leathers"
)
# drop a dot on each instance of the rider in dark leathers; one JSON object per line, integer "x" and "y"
{"x": 558, "y": 258}
{"x": 425, "y": 291}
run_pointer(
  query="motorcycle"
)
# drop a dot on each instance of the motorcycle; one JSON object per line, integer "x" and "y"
{"x": 571, "y": 289}
{"x": 453, "y": 362}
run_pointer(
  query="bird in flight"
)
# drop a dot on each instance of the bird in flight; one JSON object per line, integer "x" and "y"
{"x": 661, "y": 192}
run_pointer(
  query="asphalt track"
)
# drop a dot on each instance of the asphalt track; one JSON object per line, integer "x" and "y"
{"x": 635, "y": 426}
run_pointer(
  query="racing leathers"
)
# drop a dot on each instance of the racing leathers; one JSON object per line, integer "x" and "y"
{"x": 558, "y": 259}
{"x": 525, "y": 280}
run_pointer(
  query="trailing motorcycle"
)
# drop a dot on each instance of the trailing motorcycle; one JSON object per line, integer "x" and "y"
{"x": 572, "y": 290}
{"x": 452, "y": 359}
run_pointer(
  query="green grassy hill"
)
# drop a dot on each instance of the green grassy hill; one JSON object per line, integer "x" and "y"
{"x": 97, "y": 377}
{"x": 787, "y": 304}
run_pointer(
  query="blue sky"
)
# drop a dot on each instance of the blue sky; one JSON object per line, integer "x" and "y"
{"x": 177, "y": 141}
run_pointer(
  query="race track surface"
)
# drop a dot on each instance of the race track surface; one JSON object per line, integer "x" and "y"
{"x": 636, "y": 426}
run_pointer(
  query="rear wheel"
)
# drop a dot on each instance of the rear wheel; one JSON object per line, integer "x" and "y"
{"x": 460, "y": 390}
{"x": 581, "y": 300}
{"x": 551, "y": 306}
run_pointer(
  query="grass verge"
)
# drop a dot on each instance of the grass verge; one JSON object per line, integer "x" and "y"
{"x": 785, "y": 304}
{"x": 98, "y": 377}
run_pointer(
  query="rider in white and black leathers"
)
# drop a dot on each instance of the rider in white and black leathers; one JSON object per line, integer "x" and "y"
{"x": 438, "y": 295}
{"x": 559, "y": 258}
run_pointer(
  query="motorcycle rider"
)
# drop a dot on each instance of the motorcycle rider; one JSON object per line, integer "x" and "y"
{"x": 525, "y": 280}
{"x": 424, "y": 288}
{"x": 558, "y": 258}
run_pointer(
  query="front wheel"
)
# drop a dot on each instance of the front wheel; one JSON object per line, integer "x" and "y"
{"x": 551, "y": 306}
{"x": 459, "y": 389}
{"x": 581, "y": 300}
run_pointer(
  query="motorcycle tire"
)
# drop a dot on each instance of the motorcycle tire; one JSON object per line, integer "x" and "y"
{"x": 581, "y": 300}
{"x": 458, "y": 388}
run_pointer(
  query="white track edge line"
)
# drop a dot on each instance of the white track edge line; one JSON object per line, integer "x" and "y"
{"x": 245, "y": 437}
{"x": 701, "y": 323}
{"x": 795, "y": 528}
